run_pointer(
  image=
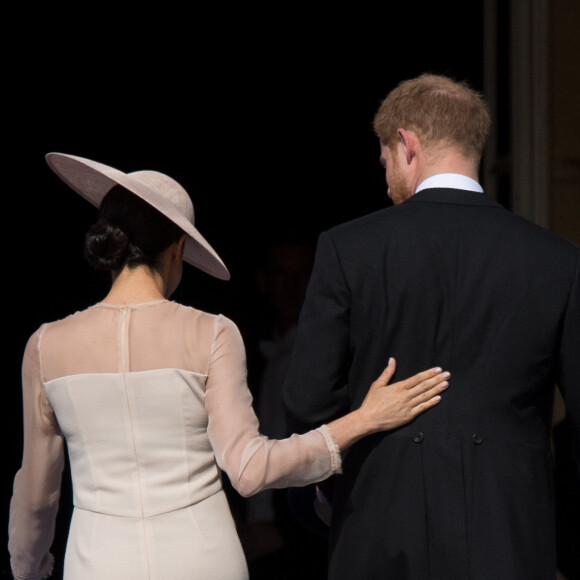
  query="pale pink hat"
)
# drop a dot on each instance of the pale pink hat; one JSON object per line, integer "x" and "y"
{"x": 94, "y": 180}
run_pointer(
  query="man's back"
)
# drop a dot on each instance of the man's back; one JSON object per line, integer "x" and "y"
{"x": 447, "y": 278}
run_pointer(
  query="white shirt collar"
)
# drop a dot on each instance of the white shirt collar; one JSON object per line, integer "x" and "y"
{"x": 450, "y": 180}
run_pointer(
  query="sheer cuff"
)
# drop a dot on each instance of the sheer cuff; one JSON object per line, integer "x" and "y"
{"x": 48, "y": 567}
{"x": 46, "y": 570}
{"x": 335, "y": 456}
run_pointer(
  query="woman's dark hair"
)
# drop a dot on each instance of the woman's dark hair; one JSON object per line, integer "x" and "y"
{"x": 129, "y": 232}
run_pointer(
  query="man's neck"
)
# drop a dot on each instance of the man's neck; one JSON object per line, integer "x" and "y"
{"x": 449, "y": 162}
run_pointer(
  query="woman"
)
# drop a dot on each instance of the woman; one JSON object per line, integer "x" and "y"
{"x": 151, "y": 399}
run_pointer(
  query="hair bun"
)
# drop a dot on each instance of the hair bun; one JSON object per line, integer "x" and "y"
{"x": 106, "y": 246}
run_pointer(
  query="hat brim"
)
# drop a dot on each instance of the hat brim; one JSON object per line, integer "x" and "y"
{"x": 93, "y": 180}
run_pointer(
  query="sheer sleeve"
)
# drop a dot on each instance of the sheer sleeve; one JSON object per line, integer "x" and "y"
{"x": 37, "y": 484}
{"x": 252, "y": 461}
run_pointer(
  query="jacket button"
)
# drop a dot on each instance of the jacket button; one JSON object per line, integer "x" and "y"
{"x": 418, "y": 438}
{"x": 477, "y": 439}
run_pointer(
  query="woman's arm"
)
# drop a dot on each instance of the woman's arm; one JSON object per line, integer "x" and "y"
{"x": 34, "y": 503}
{"x": 253, "y": 462}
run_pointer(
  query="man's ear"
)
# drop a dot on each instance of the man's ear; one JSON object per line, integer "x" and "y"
{"x": 409, "y": 142}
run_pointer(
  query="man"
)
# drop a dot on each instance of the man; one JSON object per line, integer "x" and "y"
{"x": 444, "y": 277}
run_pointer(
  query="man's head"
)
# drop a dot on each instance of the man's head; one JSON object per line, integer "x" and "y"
{"x": 439, "y": 110}
{"x": 434, "y": 115}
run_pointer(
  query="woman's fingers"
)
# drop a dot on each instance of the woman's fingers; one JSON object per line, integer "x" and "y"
{"x": 428, "y": 397}
{"x": 417, "y": 384}
{"x": 418, "y": 379}
{"x": 387, "y": 374}
{"x": 427, "y": 393}
{"x": 428, "y": 384}
{"x": 422, "y": 407}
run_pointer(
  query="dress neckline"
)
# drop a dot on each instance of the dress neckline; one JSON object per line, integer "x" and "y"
{"x": 132, "y": 305}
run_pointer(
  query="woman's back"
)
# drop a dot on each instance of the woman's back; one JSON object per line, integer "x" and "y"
{"x": 127, "y": 385}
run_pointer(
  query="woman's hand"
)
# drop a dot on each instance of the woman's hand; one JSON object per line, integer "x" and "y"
{"x": 389, "y": 406}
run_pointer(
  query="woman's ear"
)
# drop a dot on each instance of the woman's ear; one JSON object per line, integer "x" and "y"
{"x": 178, "y": 249}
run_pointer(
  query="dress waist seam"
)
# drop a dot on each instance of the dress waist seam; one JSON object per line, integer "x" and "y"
{"x": 146, "y": 515}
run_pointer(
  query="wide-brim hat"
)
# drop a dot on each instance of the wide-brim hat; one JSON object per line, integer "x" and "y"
{"x": 93, "y": 180}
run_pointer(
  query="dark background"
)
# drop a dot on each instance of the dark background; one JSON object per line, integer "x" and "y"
{"x": 263, "y": 115}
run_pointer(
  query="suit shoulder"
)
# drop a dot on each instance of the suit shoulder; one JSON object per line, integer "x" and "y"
{"x": 546, "y": 238}
{"x": 356, "y": 226}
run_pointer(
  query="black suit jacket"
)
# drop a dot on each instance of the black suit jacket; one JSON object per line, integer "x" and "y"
{"x": 449, "y": 278}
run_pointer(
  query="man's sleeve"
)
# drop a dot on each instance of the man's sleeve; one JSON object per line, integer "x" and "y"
{"x": 569, "y": 376}
{"x": 315, "y": 390}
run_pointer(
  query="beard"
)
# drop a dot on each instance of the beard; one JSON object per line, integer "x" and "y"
{"x": 398, "y": 188}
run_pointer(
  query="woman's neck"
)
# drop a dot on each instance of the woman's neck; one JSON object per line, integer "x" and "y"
{"x": 136, "y": 285}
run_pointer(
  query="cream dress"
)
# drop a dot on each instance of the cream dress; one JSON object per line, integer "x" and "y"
{"x": 153, "y": 403}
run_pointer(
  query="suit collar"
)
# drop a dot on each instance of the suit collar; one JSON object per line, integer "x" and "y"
{"x": 452, "y": 196}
